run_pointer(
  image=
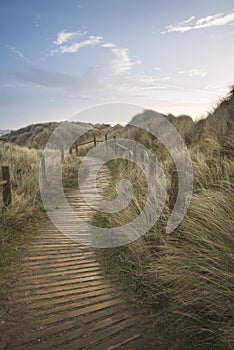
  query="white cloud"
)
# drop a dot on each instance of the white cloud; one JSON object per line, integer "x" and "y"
{"x": 121, "y": 61}
{"x": 189, "y": 20}
{"x": 91, "y": 41}
{"x": 208, "y": 19}
{"x": 69, "y": 42}
{"x": 217, "y": 20}
{"x": 193, "y": 73}
{"x": 108, "y": 45}
{"x": 114, "y": 73}
{"x": 63, "y": 37}
{"x": 112, "y": 78}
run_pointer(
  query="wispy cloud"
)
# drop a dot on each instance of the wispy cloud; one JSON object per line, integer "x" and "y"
{"x": 112, "y": 74}
{"x": 109, "y": 45}
{"x": 193, "y": 73}
{"x": 188, "y": 20}
{"x": 119, "y": 63}
{"x": 114, "y": 77}
{"x": 100, "y": 84}
{"x": 18, "y": 53}
{"x": 91, "y": 41}
{"x": 70, "y": 42}
{"x": 64, "y": 36}
{"x": 216, "y": 20}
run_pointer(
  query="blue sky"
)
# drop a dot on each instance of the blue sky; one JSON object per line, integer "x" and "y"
{"x": 61, "y": 56}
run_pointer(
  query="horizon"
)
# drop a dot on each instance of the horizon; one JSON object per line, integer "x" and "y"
{"x": 88, "y": 115}
{"x": 61, "y": 58}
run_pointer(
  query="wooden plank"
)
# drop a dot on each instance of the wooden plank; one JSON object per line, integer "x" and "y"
{"x": 92, "y": 276}
{"x": 53, "y": 253}
{"x": 60, "y": 317}
{"x": 117, "y": 342}
{"x": 91, "y": 340}
{"x": 66, "y": 307}
{"x": 74, "y": 291}
{"x": 68, "y": 298}
{"x": 38, "y": 279}
{"x": 46, "y": 333}
{"x": 47, "y": 292}
{"x": 44, "y": 265}
{"x": 62, "y": 255}
{"x": 78, "y": 335}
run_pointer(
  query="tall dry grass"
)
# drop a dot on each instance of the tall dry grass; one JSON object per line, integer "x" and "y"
{"x": 186, "y": 278}
{"x": 17, "y": 220}
{"x": 22, "y": 218}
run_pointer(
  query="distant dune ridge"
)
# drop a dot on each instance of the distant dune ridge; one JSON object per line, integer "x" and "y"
{"x": 219, "y": 123}
{"x": 37, "y": 135}
{"x": 4, "y": 132}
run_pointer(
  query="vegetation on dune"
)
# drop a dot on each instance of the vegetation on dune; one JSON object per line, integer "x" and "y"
{"x": 19, "y": 219}
{"x": 185, "y": 278}
{"x": 218, "y": 126}
{"x": 37, "y": 135}
{"x": 31, "y": 136}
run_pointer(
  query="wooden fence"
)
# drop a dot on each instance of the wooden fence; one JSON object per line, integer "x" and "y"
{"x": 76, "y": 146}
{"x": 119, "y": 149}
{"x": 5, "y": 183}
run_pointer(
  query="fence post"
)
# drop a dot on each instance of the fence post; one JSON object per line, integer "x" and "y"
{"x": 105, "y": 137}
{"x": 62, "y": 154}
{"x": 174, "y": 188}
{"x": 7, "y": 187}
{"x": 76, "y": 149}
{"x": 43, "y": 166}
{"x": 115, "y": 148}
{"x": 94, "y": 140}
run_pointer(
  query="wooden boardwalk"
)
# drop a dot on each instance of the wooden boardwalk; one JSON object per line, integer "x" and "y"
{"x": 63, "y": 299}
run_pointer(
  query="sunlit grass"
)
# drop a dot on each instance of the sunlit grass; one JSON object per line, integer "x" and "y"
{"x": 186, "y": 278}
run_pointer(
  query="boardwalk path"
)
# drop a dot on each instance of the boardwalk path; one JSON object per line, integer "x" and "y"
{"x": 63, "y": 299}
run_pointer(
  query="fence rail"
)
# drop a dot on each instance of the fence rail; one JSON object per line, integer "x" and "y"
{"x": 5, "y": 182}
{"x": 94, "y": 141}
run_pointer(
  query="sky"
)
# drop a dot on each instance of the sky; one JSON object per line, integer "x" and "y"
{"x": 60, "y": 57}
